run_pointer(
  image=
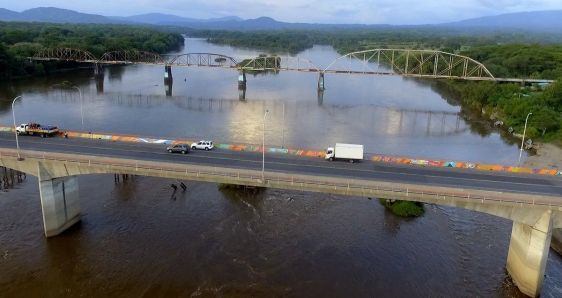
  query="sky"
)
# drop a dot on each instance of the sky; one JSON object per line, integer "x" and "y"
{"x": 396, "y": 12}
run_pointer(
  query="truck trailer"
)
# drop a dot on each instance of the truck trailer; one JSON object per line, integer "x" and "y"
{"x": 350, "y": 152}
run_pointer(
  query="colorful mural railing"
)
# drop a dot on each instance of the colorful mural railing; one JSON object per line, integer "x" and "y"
{"x": 314, "y": 153}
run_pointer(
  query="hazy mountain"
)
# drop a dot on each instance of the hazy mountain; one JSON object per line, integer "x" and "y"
{"x": 169, "y": 19}
{"x": 8, "y": 15}
{"x": 550, "y": 20}
{"x": 58, "y": 15}
{"x": 156, "y": 18}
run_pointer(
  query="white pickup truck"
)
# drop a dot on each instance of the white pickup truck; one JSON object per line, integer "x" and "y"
{"x": 37, "y": 129}
{"x": 349, "y": 152}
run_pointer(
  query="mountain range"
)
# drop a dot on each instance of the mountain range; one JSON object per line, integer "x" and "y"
{"x": 549, "y": 21}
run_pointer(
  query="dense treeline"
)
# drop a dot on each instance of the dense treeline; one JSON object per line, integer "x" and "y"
{"x": 520, "y": 60}
{"x": 21, "y": 40}
{"x": 276, "y": 42}
{"x": 504, "y": 54}
{"x": 346, "y": 40}
{"x": 510, "y": 104}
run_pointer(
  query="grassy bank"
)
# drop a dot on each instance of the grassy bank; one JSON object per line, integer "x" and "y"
{"x": 403, "y": 208}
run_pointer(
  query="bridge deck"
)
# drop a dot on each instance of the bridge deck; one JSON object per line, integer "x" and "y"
{"x": 464, "y": 179}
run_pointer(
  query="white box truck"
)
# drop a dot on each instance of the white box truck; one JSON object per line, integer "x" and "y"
{"x": 351, "y": 152}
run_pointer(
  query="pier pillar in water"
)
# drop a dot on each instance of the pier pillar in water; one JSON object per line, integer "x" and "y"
{"x": 99, "y": 77}
{"x": 242, "y": 80}
{"x": 241, "y": 93}
{"x": 168, "y": 73}
{"x": 528, "y": 253}
{"x": 168, "y": 84}
{"x": 320, "y": 97}
{"x": 321, "y": 86}
{"x": 59, "y": 202}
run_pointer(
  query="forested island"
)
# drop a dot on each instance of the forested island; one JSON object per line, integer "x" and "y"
{"x": 21, "y": 40}
{"x": 505, "y": 54}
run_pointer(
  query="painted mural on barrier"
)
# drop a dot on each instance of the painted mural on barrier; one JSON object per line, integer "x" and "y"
{"x": 315, "y": 153}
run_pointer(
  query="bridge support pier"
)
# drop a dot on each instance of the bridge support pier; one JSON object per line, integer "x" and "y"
{"x": 99, "y": 77}
{"x": 168, "y": 84}
{"x": 242, "y": 80}
{"x": 241, "y": 93}
{"x": 528, "y": 253}
{"x": 321, "y": 86}
{"x": 59, "y": 202}
{"x": 168, "y": 73}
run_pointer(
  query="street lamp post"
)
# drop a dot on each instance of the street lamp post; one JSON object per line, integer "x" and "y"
{"x": 283, "y": 128}
{"x": 81, "y": 100}
{"x": 263, "y": 148}
{"x": 523, "y": 139}
{"x": 81, "y": 106}
{"x": 15, "y": 127}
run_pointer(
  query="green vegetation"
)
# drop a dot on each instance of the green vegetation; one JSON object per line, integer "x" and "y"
{"x": 510, "y": 104}
{"x": 275, "y": 42}
{"x": 403, "y": 208}
{"x": 261, "y": 64}
{"x": 21, "y": 40}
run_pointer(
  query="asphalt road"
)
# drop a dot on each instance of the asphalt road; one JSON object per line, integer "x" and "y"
{"x": 449, "y": 177}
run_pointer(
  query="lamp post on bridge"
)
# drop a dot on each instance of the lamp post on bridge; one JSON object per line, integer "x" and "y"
{"x": 283, "y": 128}
{"x": 263, "y": 148}
{"x": 15, "y": 127}
{"x": 523, "y": 139}
{"x": 66, "y": 85}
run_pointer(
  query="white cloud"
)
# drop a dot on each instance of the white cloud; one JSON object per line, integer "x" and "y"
{"x": 323, "y": 11}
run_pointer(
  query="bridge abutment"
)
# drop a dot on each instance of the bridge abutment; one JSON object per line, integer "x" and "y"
{"x": 528, "y": 253}
{"x": 59, "y": 202}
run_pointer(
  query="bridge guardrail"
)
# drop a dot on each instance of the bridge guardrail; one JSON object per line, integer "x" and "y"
{"x": 365, "y": 188}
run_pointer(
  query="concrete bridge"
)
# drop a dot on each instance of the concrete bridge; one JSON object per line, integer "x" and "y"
{"x": 532, "y": 202}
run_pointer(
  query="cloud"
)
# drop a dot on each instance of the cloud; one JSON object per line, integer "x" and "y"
{"x": 325, "y": 11}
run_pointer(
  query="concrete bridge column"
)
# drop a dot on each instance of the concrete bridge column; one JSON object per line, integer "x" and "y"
{"x": 99, "y": 77}
{"x": 321, "y": 86}
{"x": 168, "y": 73}
{"x": 59, "y": 202}
{"x": 168, "y": 86}
{"x": 528, "y": 253}
{"x": 241, "y": 93}
{"x": 242, "y": 80}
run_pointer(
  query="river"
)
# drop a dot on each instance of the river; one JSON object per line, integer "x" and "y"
{"x": 138, "y": 239}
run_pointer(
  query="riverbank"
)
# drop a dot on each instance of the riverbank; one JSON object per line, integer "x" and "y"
{"x": 547, "y": 156}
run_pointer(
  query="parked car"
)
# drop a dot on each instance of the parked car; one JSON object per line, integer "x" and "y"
{"x": 202, "y": 145}
{"x": 178, "y": 148}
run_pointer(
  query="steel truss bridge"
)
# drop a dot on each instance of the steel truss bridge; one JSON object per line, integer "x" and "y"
{"x": 429, "y": 64}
